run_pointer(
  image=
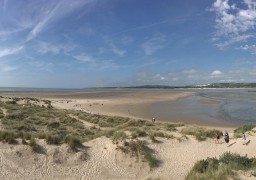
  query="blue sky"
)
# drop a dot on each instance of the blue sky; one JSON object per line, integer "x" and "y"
{"x": 94, "y": 43}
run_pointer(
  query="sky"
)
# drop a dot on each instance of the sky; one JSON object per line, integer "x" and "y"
{"x": 99, "y": 43}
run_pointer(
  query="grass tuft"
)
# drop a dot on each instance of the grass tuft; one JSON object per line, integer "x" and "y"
{"x": 200, "y": 133}
{"x": 141, "y": 151}
{"x": 34, "y": 146}
{"x": 73, "y": 142}
{"x": 223, "y": 168}
{"x": 239, "y": 131}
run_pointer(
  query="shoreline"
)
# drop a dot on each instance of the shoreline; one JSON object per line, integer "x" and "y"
{"x": 132, "y": 104}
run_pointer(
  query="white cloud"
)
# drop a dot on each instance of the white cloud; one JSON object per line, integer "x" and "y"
{"x": 250, "y": 48}
{"x": 85, "y": 58}
{"x": 199, "y": 76}
{"x": 235, "y": 24}
{"x": 153, "y": 44}
{"x": 9, "y": 51}
{"x": 159, "y": 77}
{"x": 216, "y": 73}
{"x": 233, "y": 20}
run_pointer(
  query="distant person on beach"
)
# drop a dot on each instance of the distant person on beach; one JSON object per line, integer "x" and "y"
{"x": 153, "y": 120}
{"x": 226, "y": 138}
{"x": 244, "y": 139}
{"x": 217, "y": 141}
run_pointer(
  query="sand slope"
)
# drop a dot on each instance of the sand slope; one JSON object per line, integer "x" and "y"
{"x": 101, "y": 159}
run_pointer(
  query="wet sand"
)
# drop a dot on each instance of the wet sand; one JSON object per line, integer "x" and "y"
{"x": 202, "y": 108}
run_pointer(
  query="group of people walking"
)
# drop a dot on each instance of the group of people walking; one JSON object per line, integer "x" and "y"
{"x": 226, "y": 138}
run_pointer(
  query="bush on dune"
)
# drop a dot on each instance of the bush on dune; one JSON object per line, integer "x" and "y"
{"x": 224, "y": 168}
{"x": 239, "y": 131}
{"x": 73, "y": 142}
{"x": 200, "y": 133}
{"x": 141, "y": 151}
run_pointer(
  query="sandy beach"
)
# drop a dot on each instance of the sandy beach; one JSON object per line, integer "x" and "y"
{"x": 132, "y": 104}
{"x": 101, "y": 158}
{"x": 105, "y": 162}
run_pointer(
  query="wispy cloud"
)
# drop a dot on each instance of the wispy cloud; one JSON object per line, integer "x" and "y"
{"x": 57, "y": 11}
{"x": 177, "y": 19}
{"x": 41, "y": 65}
{"x": 46, "y": 47}
{"x": 85, "y": 58}
{"x": 9, "y": 51}
{"x": 6, "y": 68}
{"x": 153, "y": 44}
{"x": 95, "y": 64}
{"x": 250, "y": 48}
{"x": 233, "y": 40}
{"x": 116, "y": 50}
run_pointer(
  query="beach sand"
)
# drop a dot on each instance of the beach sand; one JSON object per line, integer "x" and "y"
{"x": 104, "y": 161}
{"x": 133, "y": 104}
{"x": 101, "y": 159}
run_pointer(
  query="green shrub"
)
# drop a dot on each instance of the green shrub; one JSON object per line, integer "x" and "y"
{"x": 51, "y": 139}
{"x": 73, "y": 142}
{"x": 153, "y": 162}
{"x": 139, "y": 150}
{"x": 171, "y": 127}
{"x": 24, "y": 141}
{"x": 1, "y": 113}
{"x": 34, "y": 146}
{"x": 27, "y": 136}
{"x": 224, "y": 168}
{"x": 138, "y": 133}
{"x": 152, "y": 138}
{"x": 8, "y": 136}
{"x": 201, "y": 133}
{"x": 118, "y": 135}
{"x": 237, "y": 161}
{"x": 239, "y": 131}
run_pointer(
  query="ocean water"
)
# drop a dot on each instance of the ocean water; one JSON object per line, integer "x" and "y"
{"x": 232, "y": 107}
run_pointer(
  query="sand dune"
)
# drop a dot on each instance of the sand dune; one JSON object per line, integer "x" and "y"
{"x": 101, "y": 160}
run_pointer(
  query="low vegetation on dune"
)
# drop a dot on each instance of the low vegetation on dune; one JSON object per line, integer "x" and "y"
{"x": 226, "y": 167}
{"x": 239, "y": 131}
{"x": 201, "y": 133}
{"x": 139, "y": 149}
{"x": 30, "y": 119}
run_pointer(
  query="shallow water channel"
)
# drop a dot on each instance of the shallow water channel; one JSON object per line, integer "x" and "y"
{"x": 221, "y": 107}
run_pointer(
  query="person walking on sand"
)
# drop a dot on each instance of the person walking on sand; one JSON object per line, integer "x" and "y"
{"x": 244, "y": 139}
{"x": 226, "y": 137}
{"x": 217, "y": 141}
